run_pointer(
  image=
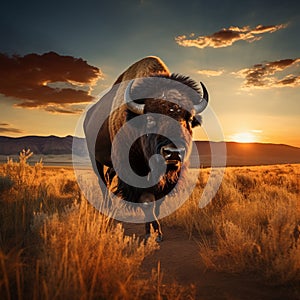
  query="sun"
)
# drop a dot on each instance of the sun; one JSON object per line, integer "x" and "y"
{"x": 243, "y": 137}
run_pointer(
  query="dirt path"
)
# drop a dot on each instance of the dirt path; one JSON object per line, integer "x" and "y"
{"x": 180, "y": 261}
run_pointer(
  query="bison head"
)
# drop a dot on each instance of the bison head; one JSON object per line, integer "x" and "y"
{"x": 180, "y": 99}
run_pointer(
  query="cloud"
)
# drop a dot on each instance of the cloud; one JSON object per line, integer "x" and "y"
{"x": 6, "y": 128}
{"x": 47, "y": 80}
{"x": 210, "y": 72}
{"x": 64, "y": 109}
{"x": 227, "y": 36}
{"x": 266, "y": 75}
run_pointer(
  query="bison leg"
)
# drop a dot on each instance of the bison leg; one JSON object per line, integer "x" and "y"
{"x": 151, "y": 212}
{"x": 106, "y": 174}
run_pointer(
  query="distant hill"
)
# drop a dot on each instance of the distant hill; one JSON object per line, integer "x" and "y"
{"x": 248, "y": 154}
{"x": 238, "y": 154}
{"x": 47, "y": 145}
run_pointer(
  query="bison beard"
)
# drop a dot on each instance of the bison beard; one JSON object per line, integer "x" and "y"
{"x": 171, "y": 177}
{"x": 180, "y": 99}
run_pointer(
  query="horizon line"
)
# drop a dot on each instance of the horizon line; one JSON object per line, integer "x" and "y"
{"x": 224, "y": 141}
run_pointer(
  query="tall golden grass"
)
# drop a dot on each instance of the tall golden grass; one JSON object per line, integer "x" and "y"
{"x": 252, "y": 225}
{"x": 54, "y": 245}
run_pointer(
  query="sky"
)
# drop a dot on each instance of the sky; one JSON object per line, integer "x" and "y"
{"x": 58, "y": 56}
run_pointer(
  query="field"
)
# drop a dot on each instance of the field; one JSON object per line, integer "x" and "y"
{"x": 243, "y": 245}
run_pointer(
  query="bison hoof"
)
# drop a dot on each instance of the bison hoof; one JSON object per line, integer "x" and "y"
{"x": 159, "y": 238}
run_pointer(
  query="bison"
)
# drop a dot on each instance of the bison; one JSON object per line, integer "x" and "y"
{"x": 169, "y": 105}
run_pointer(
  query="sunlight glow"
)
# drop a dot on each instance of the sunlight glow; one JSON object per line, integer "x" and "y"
{"x": 243, "y": 137}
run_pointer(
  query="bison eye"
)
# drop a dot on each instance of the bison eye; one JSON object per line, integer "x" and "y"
{"x": 150, "y": 122}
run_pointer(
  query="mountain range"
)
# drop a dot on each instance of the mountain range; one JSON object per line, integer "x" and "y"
{"x": 47, "y": 145}
{"x": 237, "y": 153}
{"x": 250, "y": 154}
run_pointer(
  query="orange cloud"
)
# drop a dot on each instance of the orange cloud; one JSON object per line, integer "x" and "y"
{"x": 266, "y": 75}
{"x": 210, "y": 72}
{"x": 32, "y": 78}
{"x": 6, "y": 128}
{"x": 227, "y": 36}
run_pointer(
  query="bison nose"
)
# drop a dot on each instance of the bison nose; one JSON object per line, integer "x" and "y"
{"x": 172, "y": 154}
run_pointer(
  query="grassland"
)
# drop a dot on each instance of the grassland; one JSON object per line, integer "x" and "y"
{"x": 252, "y": 224}
{"x": 54, "y": 245}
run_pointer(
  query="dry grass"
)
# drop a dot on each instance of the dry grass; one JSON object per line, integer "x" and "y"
{"x": 54, "y": 245}
{"x": 252, "y": 225}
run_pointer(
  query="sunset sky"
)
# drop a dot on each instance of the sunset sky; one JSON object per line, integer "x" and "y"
{"x": 58, "y": 56}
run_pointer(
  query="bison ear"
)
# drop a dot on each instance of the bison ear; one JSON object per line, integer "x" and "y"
{"x": 197, "y": 121}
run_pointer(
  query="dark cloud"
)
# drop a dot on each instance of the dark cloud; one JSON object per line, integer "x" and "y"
{"x": 6, "y": 128}
{"x": 266, "y": 75}
{"x": 31, "y": 79}
{"x": 63, "y": 109}
{"x": 227, "y": 36}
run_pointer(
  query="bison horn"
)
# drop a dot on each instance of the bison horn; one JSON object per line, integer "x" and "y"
{"x": 204, "y": 100}
{"x": 131, "y": 105}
